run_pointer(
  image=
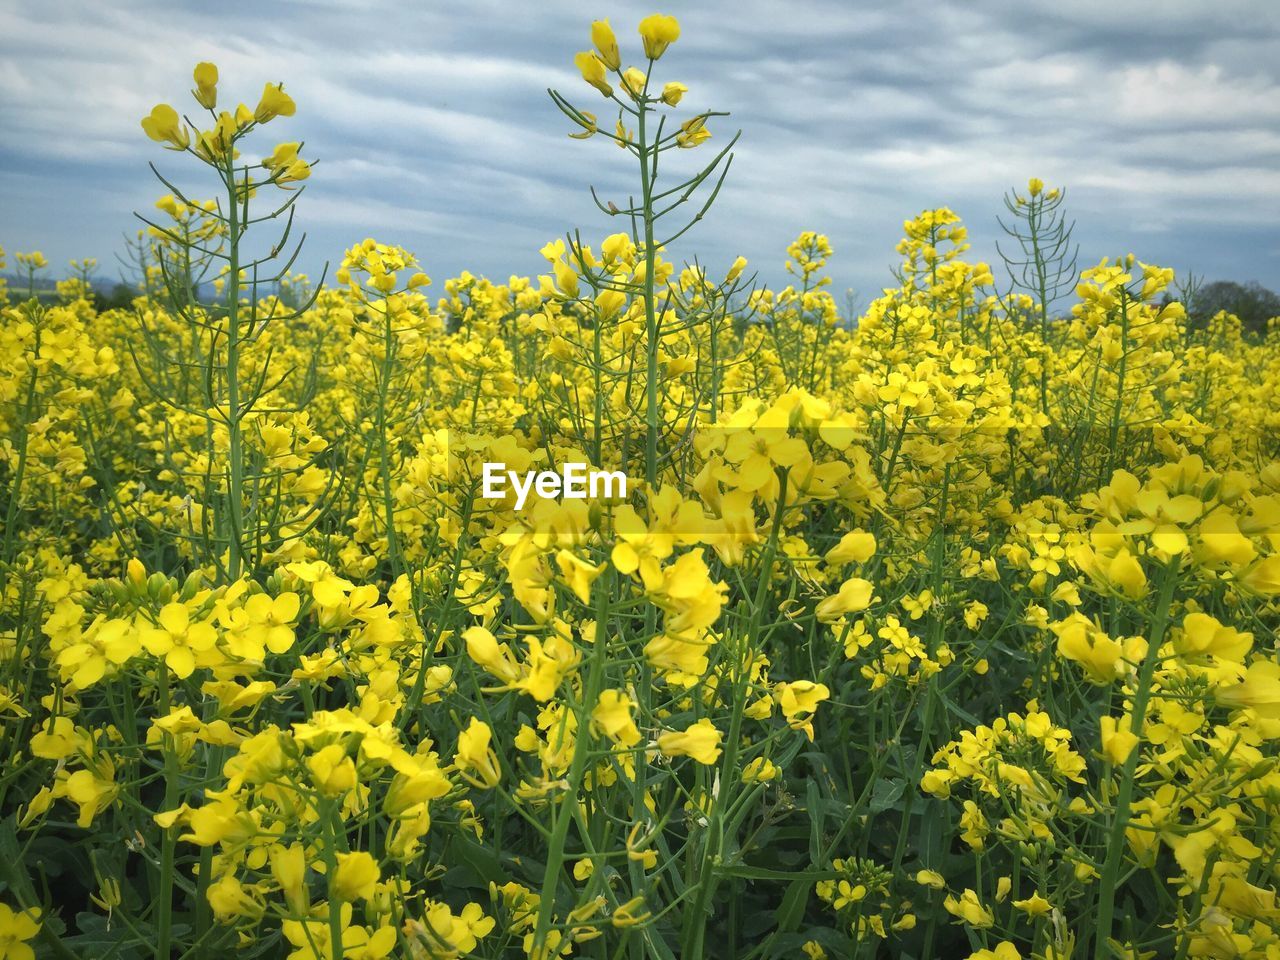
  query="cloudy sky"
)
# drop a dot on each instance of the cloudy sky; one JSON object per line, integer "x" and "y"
{"x": 434, "y": 130}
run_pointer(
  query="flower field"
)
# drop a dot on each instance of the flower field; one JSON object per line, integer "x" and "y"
{"x": 946, "y": 630}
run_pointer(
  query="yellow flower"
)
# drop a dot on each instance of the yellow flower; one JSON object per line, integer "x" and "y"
{"x": 332, "y": 771}
{"x": 700, "y": 740}
{"x": 1117, "y": 742}
{"x": 289, "y": 867}
{"x": 577, "y": 573}
{"x": 1264, "y": 577}
{"x": 274, "y": 103}
{"x": 799, "y": 701}
{"x": 56, "y": 739}
{"x": 178, "y": 640}
{"x": 658, "y": 32}
{"x": 1104, "y": 659}
{"x": 106, "y": 644}
{"x": 1202, "y": 634}
{"x": 206, "y": 91}
{"x": 630, "y": 913}
{"x": 91, "y": 793}
{"x": 593, "y": 71}
{"x": 854, "y": 595}
{"x": 969, "y": 909}
{"x": 1005, "y": 949}
{"x": 356, "y": 876}
{"x": 263, "y": 623}
{"x": 286, "y": 165}
{"x": 164, "y": 126}
{"x": 1034, "y": 906}
{"x": 229, "y": 899}
{"x": 1259, "y": 691}
{"x": 475, "y": 759}
{"x": 612, "y": 716}
{"x": 931, "y": 878}
{"x": 673, "y": 92}
{"x": 606, "y": 44}
{"x": 219, "y": 143}
{"x": 692, "y": 132}
{"x": 1034, "y": 186}
{"x": 760, "y": 770}
{"x": 634, "y": 81}
{"x": 16, "y": 928}
{"x": 587, "y": 121}
{"x": 857, "y": 546}
{"x": 1126, "y": 573}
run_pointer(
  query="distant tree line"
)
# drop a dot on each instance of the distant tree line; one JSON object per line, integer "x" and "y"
{"x": 1253, "y": 303}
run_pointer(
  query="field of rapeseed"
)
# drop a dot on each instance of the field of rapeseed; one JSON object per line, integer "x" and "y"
{"x": 947, "y": 630}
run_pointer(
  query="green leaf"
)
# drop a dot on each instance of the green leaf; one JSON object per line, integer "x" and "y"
{"x": 885, "y": 794}
{"x": 791, "y": 911}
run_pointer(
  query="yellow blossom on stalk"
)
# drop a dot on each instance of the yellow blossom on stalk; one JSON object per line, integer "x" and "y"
{"x": 857, "y": 546}
{"x": 1103, "y": 658}
{"x": 612, "y": 715}
{"x": 1033, "y": 906}
{"x": 658, "y": 32}
{"x": 673, "y": 92}
{"x": 631, "y": 913}
{"x": 853, "y": 596}
{"x": 760, "y": 770}
{"x": 206, "y": 91}
{"x": 476, "y": 759}
{"x": 440, "y": 933}
{"x": 164, "y": 126}
{"x": 16, "y": 928}
{"x": 931, "y": 879}
{"x": 93, "y": 790}
{"x": 578, "y": 573}
{"x": 693, "y": 132}
{"x": 332, "y": 771}
{"x": 356, "y": 876}
{"x": 274, "y": 103}
{"x": 177, "y": 640}
{"x": 104, "y": 645}
{"x": 700, "y": 740}
{"x": 55, "y": 740}
{"x": 1004, "y": 950}
{"x": 606, "y": 44}
{"x": 634, "y": 81}
{"x": 218, "y": 144}
{"x": 593, "y": 71}
{"x": 1117, "y": 740}
{"x": 1259, "y": 691}
{"x": 1203, "y": 635}
{"x": 968, "y": 909}
{"x": 286, "y": 166}
{"x": 263, "y": 623}
{"x": 1264, "y": 577}
{"x": 289, "y": 868}
{"x": 799, "y": 702}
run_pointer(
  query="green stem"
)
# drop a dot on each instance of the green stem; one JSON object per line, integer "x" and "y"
{"x": 1120, "y": 822}
{"x": 567, "y": 809}
{"x": 235, "y": 446}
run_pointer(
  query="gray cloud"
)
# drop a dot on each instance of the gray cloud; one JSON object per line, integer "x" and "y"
{"x": 434, "y": 129}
